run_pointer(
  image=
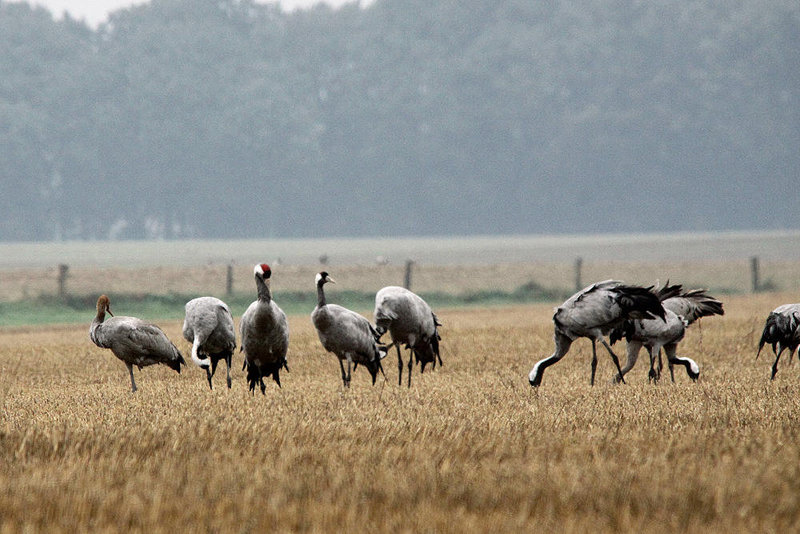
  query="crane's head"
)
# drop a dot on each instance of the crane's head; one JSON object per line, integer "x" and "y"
{"x": 104, "y": 305}
{"x": 263, "y": 271}
{"x": 323, "y": 278}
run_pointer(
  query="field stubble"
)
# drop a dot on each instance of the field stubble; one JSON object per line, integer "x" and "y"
{"x": 470, "y": 446}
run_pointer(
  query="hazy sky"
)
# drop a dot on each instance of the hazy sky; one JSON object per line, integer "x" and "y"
{"x": 96, "y": 11}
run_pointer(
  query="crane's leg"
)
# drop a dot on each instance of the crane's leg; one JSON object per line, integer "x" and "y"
{"x": 133, "y": 382}
{"x": 672, "y": 359}
{"x": 652, "y": 376}
{"x": 613, "y": 358}
{"x": 349, "y": 364}
{"x": 228, "y": 363}
{"x": 594, "y": 361}
{"x": 380, "y": 368}
{"x": 669, "y": 350}
{"x": 210, "y": 370}
{"x": 214, "y": 362}
{"x": 632, "y": 351}
{"x": 428, "y": 344}
{"x": 774, "y": 365}
{"x": 410, "y": 365}
{"x": 399, "y": 365}
{"x": 344, "y": 375}
{"x": 562, "y": 347}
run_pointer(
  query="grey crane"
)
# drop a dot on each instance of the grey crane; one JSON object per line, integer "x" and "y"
{"x": 264, "y": 334}
{"x": 683, "y": 308}
{"x": 654, "y": 334}
{"x": 409, "y": 320}
{"x": 594, "y": 312}
{"x": 782, "y": 331}
{"x": 347, "y": 334}
{"x": 208, "y": 326}
{"x": 132, "y": 340}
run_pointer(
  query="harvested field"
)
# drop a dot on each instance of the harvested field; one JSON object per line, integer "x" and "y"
{"x": 469, "y": 447}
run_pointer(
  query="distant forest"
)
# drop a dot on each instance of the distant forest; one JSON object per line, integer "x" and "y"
{"x": 227, "y": 118}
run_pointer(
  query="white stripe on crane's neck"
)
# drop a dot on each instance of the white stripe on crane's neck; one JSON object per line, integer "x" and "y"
{"x": 320, "y": 292}
{"x": 262, "y": 283}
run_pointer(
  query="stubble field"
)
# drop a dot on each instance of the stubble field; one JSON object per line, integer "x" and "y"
{"x": 469, "y": 447}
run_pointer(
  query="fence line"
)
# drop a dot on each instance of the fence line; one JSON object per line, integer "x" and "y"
{"x": 741, "y": 276}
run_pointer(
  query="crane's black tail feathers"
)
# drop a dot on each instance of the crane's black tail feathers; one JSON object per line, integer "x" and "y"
{"x": 435, "y": 338}
{"x": 256, "y": 373}
{"x": 777, "y": 329}
{"x": 669, "y": 291}
{"x": 625, "y": 330}
{"x": 640, "y": 302}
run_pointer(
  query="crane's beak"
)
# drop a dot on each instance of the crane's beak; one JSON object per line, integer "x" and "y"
{"x": 331, "y": 280}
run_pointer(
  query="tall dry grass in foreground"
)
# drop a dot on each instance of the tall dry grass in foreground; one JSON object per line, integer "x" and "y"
{"x": 470, "y": 447}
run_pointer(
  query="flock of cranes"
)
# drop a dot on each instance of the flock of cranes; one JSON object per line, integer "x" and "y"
{"x": 646, "y": 317}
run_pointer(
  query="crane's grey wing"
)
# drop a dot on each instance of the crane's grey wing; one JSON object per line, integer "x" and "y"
{"x": 151, "y": 339}
{"x": 245, "y": 325}
{"x": 199, "y": 323}
{"x": 384, "y": 313}
{"x": 655, "y": 330}
{"x": 386, "y": 305}
{"x": 225, "y": 330}
{"x": 594, "y": 307}
{"x": 589, "y": 290}
{"x": 280, "y": 334}
{"x": 348, "y": 332}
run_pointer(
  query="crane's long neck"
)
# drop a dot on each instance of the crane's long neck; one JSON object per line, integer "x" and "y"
{"x": 100, "y": 317}
{"x": 264, "y": 294}
{"x": 320, "y": 295}
{"x": 96, "y": 322}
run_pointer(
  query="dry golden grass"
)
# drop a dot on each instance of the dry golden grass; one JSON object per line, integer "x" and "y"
{"x": 470, "y": 447}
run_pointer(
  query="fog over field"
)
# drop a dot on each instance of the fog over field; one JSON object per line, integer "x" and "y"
{"x": 235, "y": 119}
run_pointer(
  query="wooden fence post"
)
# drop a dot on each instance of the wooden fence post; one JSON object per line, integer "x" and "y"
{"x": 755, "y": 282}
{"x": 63, "y": 269}
{"x": 407, "y": 277}
{"x": 578, "y": 268}
{"x": 229, "y": 280}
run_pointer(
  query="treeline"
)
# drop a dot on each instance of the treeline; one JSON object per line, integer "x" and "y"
{"x": 218, "y": 118}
